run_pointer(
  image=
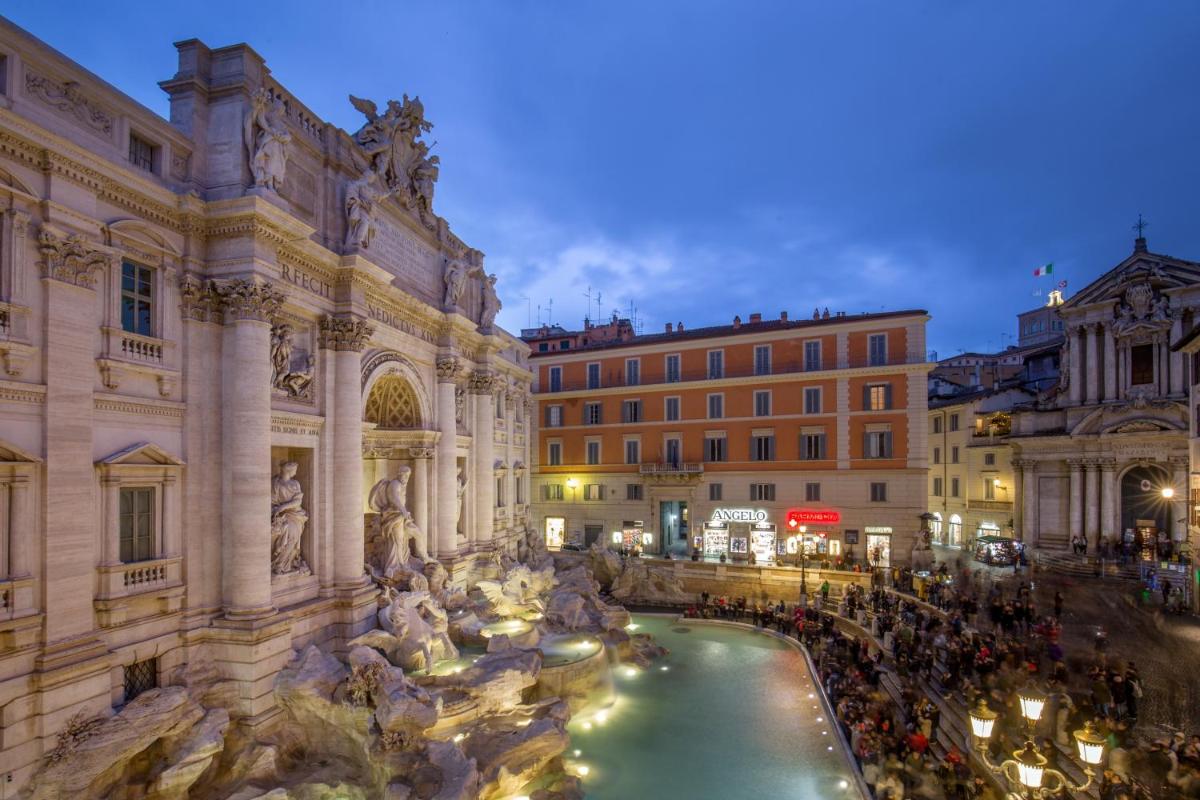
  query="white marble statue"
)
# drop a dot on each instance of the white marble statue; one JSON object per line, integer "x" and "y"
{"x": 455, "y": 278}
{"x": 490, "y": 303}
{"x": 288, "y": 519}
{"x": 518, "y": 594}
{"x": 421, "y": 628}
{"x": 361, "y": 196}
{"x": 390, "y": 141}
{"x": 267, "y": 139}
{"x": 401, "y": 539}
{"x": 288, "y": 376}
{"x": 458, "y": 507}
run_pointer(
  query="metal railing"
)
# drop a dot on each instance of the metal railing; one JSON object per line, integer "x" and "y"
{"x": 672, "y": 468}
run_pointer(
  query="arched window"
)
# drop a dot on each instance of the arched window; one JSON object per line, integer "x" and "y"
{"x": 392, "y": 404}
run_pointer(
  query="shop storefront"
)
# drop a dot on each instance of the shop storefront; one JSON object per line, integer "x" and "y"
{"x": 954, "y": 531}
{"x": 936, "y": 530}
{"x": 879, "y": 545}
{"x": 738, "y": 534}
{"x": 556, "y": 528}
{"x": 986, "y": 528}
{"x": 632, "y": 536}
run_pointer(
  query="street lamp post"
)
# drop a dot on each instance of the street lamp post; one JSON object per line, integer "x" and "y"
{"x": 1027, "y": 768}
{"x": 803, "y": 566}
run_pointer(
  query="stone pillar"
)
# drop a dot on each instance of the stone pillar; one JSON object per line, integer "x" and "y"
{"x": 172, "y": 541}
{"x": 248, "y": 307}
{"x": 1091, "y": 508}
{"x": 1108, "y": 501}
{"x": 1029, "y": 502}
{"x": 420, "y": 457}
{"x": 110, "y": 547}
{"x": 1110, "y": 364}
{"x": 347, "y": 336}
{"x": 20, "y": 531}
{"x": 1176, "y": 360}
{"x": 446, "y": 464}
{"x": 1018, "y": 496}
{"x": 1075, "y": 379}
{"x": 1179, "y": 480}
{"x": 1076, "y": 523}
{"x": 483, "y": 445}
{"x": 1091, "y": 334}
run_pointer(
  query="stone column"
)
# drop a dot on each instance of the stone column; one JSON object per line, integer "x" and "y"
{"x": 1110, "y": 364}
{"x": 1018, "y": 496}
{"x": 446, "y": 464}
{"x": 172, "y": 540}
{"x": 484, "y": 446}
{"x": 1075, "y": 379}
{"x": 110, "y": 547}
{"x": 1179, "y": 480}
{"x": 420, "y": 457}
{"x": 248, "y": 307}
{"x": 1176, "y": 359}
{"x": 20, "y": 530}
{"x": 1108, "y": 500}
{"x": 1029, "y": 502}
{"x": 347, "y": 336}
{"x": 1091, "y": 334}
{"x": 1091, "y": 508}
{"x": 1076, "y": 524}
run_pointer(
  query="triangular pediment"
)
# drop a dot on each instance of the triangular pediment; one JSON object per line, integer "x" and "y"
{"x": 1162, "y": 273}
{"x": 11, "y": 454}
{"x": 144, "y": 453}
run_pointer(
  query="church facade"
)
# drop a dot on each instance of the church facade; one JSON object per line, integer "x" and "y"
{"x": 1103, "y": 456}
{"x": 242, "y": 355}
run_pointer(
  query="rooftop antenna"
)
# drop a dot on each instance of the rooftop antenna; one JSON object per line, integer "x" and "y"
{"x": 550, "y": 311}
{"x": 599, "y": 311}
{"x": 588, "y": 313}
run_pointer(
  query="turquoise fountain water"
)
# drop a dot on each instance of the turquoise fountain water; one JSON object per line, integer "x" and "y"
{"x": 729, "y": 714}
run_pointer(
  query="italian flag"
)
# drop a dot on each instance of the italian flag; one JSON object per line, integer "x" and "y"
{"x": 1043, "y": 270}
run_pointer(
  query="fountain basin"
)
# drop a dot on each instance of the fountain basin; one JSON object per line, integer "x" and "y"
{"x": 575, "y": 667}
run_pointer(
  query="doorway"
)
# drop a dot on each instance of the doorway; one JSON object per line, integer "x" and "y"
{"x": 1144, "y": 511}
{"x": 673, "y": 524}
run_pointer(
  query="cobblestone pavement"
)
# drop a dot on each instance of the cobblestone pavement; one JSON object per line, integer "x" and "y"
{"x": 1164, "y": 648}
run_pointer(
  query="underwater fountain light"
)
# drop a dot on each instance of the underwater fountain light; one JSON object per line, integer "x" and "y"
{"x": 842, "y": 784}
{"x": 630, "y": 672}
{"x": 583, "y": 770}
{"x": 458, "y": 737}
{"x": 587, "y": 726}
{"x": 664, "y": 668}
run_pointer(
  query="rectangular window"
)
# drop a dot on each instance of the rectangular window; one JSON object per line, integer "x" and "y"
{"x": 672, "y": 368}
{"x": 762, "y": 492}
{"x": 877, "y": 444}
{"x": 716, "y": 364}
{"x": 877, "y": 344}
{"x": 499, "y": 492}
{"x": 552, "y": 491}
{"x": 556, "y": 379}
{"x": 762, "y": 403}
{"x": 140, "y": 676}
{"x": 141, "y": 153}
{"x": 593, "y": 491}
{"x": 989, "y": 489}
{"x": 633, "y": 451}
{"x": 633, "y": 371}
{"x": 714, "y": 491}
{"x": 812, "y": 446}
{"x": 878, "y": 492}
{"x": 989, "y": 459}
{"x": 762, "y": 448}
{"x": 953, "y": 422}
{"x": 714, "y": 449}
{"x": 953, "y": 455}
{"x": 554, "y": 454}
{"x": 592, "y": 413}
{"x": 877, "y": 396}
{"x": 937, "y": 455}
{"x": 937, "y": 487}
{"x": 137, "y": 524}
{"x": 716, "y": 406}
{"x": 673, "y": 452}
{"x": 812, "y": 492}
{"x": 937, "y": 424}
{"x": 631, "y": 411}
{"x": 593, "y": 376}
{"x": 554, "y": 416}
{"x": 593, "y": 453}
{"x": 954, "y": 487}
{"x": 762, "y": 359}
{"x": 812, "y": 400}
{"x": 1141, "y": 362}
{"x": 812, "y": 356}
{"x": 671, "y": 409}
{"x": 519, "y": 483}
{"x": 633, "y": 491}
{"x": 137, "y": 299}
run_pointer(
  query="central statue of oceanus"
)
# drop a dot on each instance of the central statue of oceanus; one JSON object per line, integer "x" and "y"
{"x": 398, "y": 539}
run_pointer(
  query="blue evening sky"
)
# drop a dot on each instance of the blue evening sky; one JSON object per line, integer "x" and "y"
{"x": 705, "y": 159}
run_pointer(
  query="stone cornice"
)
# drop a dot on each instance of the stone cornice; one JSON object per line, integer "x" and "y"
{"x": 139, "y": 406}
{"x": 17, "y": 392}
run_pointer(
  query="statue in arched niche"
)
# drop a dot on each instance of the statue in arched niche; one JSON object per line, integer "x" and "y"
{"x": 399, "y": 540}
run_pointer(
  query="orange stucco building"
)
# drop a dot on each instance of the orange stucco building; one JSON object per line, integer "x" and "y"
{"x": 707, "y": 439}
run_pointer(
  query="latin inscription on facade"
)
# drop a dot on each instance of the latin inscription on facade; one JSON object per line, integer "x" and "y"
{"x": 393, "y": 320}
{"x": 417, "y": 267}
{"x": 305, "y": 281}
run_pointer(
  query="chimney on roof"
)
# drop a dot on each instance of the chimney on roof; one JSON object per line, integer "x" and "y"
{"x": 679, "y": 327}
{"x": 737, "y": 321}
{"x": 755, "y": 317}
{"x": 783, "y": 316}
{"x": 669, "y": 329}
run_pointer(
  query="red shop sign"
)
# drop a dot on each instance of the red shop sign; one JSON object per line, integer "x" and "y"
{"x": 815, "y": 516}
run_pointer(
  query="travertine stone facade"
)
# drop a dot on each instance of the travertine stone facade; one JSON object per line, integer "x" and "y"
{"x": 1092, "y": 456}
{"x": 217, "y": 333}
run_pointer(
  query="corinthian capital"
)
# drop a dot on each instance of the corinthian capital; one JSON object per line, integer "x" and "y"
{"x": 72, "y": 260}
{"x": 482, "y": 381}
{"x": 247, "y": 299}
{"x": 448, "y": 368}
{"x": 345, "y": 333}
{"x": 197, "y": 300}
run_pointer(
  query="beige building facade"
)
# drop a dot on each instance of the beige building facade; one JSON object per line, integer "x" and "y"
{"x": 219, "y": 334}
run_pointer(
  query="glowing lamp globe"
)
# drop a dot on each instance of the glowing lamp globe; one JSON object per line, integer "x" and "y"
{"x": 1090, "y": 745}
{"x": 1168, "y": 492}
{"x": 1031, "y": 766}
{"x": 982, "y": 720}
{"x": 1032, "y": 703}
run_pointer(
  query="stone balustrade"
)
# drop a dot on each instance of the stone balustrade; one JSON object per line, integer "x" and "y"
{"x": 138, "y": 577}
